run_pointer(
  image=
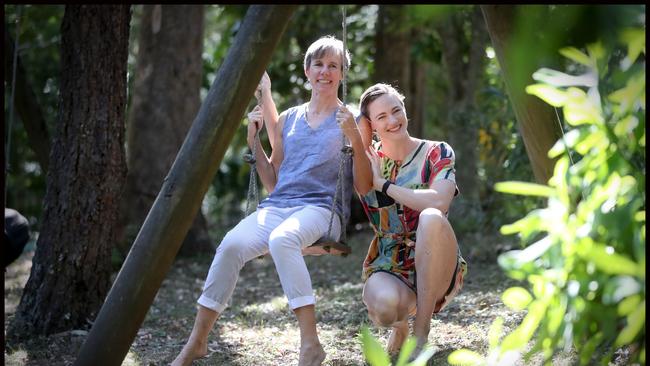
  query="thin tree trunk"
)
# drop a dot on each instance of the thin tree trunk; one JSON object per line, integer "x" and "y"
{"x": 393, "y": 55}
{"x": 71, "y": 267}
{"x": 417, "y": 94}
{"x": 179, "y": 199}
{"x": 166, "y": 98}
{"x": 464, "y": 79}
{"x": 27, "y": 106}
{"x": 536, "y": 120}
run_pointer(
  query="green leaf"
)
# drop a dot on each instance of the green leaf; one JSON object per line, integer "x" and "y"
{"x": 560, "y": 79}
{"x": 595, "y": 140}
{"x": 524, "y": 332}
{"x": 465, "y": 357}
{"x": 372, "y": 350}
{"x": 524, "y": 188}
{"x": 628, "y": 95}
{"x": 516, "y": 298}
{"x": 579, "y": 109}
{"x": 423, "y": 357}
{"x": 526, "y": 226}
{"x": 610, "y": 262}
{"x": 640, "y": 216}
{"x": 547, "y": 93}
{"x": 556, "y": 315}
{"x": 577, "y": 56}
{"x": 407, "y": 348}
{"x": 635, "y": 40}
{"x": 628, "y": 305}
{"x": 596, "y": 51}
{"x": 635, "y": 322}
{"x": 495, "y": 332}
{"x": 565, "y": 143}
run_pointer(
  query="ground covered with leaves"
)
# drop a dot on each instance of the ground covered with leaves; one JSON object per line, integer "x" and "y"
{"x": 259, "y": 329}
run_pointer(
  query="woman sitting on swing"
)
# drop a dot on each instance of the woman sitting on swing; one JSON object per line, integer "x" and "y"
{"x": 301, "y": 176}
{"x": 413, "y": 265}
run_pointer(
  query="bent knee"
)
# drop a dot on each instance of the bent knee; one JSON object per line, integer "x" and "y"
{"x": 230, "y": 247}
{"x": 432, "y": 218}
{"x": 282, "y": 245}
{"x": 382, "y": 310}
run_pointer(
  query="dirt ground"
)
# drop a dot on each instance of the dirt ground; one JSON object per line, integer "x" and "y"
{"x": 259, "y": 329}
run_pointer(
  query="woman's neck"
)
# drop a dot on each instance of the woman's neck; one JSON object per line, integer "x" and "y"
{"x": 400, "y": 148}
{"x": 320, "y": 104}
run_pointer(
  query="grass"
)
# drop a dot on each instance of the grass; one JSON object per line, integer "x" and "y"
{"x": 259, "y": 329}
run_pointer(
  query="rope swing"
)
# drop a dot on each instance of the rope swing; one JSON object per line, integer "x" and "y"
{"x": 327, "y": 244}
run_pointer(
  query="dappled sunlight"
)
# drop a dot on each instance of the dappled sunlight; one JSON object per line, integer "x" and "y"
{"x": 278, "y": 303}
{"x": 19, "y": 357}
{"x": 132, "y": 359}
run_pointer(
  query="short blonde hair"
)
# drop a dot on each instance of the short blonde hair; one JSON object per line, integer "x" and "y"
{"x": 323, "y": 46}
{"x": 375, "y": 92}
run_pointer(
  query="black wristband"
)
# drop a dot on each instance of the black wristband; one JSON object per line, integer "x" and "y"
{"x": 384, "y": 188}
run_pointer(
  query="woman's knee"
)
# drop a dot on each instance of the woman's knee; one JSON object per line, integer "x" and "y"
{"x": 383, "y": 308}
{"x": 280, "y": 245}
{"x": 282, "y": 241}
{"x": 433, "y": 219}
{"x": 231, "y": 247}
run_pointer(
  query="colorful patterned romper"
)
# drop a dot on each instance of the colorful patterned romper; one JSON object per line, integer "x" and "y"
{"x": 392, "y": 250}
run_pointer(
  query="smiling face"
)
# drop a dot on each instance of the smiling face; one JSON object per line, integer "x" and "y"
{"x": 388, "y": 116}
{"x": 324, "y": 73}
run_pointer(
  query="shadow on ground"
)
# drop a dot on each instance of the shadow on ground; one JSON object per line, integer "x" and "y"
{"x": 258, "y": 328}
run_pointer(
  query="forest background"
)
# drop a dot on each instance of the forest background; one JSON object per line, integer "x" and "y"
{"x": 441, "y": 57}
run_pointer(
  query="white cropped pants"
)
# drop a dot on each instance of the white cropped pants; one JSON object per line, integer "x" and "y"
{"x": 281, "y": 231}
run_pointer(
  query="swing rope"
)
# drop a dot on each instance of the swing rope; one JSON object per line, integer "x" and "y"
{"x": 327, "y": 243}
{"x": 251, "y": 160}
{"x": 346, "y": 150}
{"x": 13, "y": 94}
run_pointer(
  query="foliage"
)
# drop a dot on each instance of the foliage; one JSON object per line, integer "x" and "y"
{"x": 501, "y": 151}
{"x": 587, "y": 272}
{"x": 36, "y": 30}
{"x": 377, "y": 356}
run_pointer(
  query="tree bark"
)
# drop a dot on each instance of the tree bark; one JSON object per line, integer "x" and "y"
{"x": 166, "y": 98}
{"x": 536, "y": 119}
{"x": 27, "y": 106}
{"x": 393, "y": 48}
{"x": 184, "y": 187}
{"x": 417, "y": 93}
{"x": 71, "y": 267}
{"x": 464, "y": 78}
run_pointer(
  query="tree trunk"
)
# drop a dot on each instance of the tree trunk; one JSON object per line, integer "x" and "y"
{"x": 393, "y": 48}
{"x": 464, "y": 78}
{"x": 417, "y": 93}
{"x": 166, "y": 97}
{"x": 183, "y": 189}
{"x": 536, "y": 120}
{"x": 71, "y": 267}
{"x": 27, "y": 106}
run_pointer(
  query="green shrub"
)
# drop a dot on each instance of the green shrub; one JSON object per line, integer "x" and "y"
{"x": 586, "y": 264}
{"x": 375, "y": 355}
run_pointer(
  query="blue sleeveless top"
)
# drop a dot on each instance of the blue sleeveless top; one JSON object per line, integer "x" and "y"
{"x": 310, "y": 167}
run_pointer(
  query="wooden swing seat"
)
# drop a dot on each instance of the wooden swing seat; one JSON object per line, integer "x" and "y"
{"x": 324, "y": 246}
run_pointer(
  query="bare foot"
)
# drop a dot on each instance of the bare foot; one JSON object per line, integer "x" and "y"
{"x": 189, "y": 353}
{"x": 397, "y": 337}
{"x": 311, "y": 355}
